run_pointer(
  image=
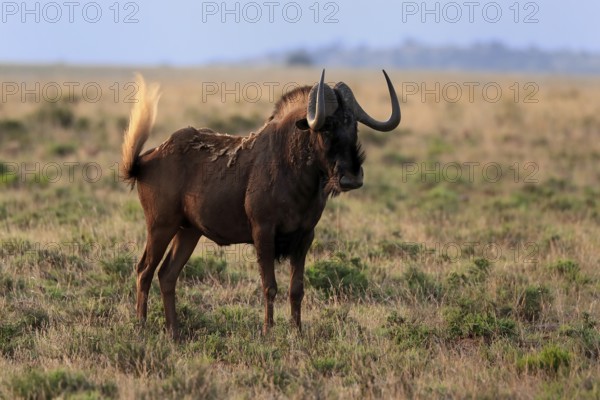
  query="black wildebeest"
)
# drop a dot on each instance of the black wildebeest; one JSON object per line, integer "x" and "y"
{"x": 283, "y": 175}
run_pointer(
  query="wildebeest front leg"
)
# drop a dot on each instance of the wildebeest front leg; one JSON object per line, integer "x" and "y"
{"x": 297, "y": 279}
{"x": 264, "y": 242}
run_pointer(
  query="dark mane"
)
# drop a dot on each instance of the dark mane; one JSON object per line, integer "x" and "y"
{"x": 295, "y": 100}
{"x": 294, "y": 146}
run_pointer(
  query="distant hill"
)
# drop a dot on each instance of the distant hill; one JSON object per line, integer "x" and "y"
{"x": 411, "y": 55}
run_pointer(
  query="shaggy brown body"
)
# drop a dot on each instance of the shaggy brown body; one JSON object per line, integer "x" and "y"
{"x": 268, "y": 189}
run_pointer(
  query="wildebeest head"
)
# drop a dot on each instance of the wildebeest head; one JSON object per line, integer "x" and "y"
{"x": 333, "y": 114}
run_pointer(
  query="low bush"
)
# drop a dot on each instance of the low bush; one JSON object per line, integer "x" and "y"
{"x": 550, "y": 359}
{"x": 338, "y": 276}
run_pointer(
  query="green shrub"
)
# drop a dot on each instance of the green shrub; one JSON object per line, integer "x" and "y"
{"x": 10, "y": 338}
{"x": 550, "y": 359}
{"x": 474, "y": 274}
{"x": 409, "y": 334}
{"x": 9, "y": 284}
{"x": 33, "y": 318}
{"x": 471, "y": 324}
{"x": 566, "y": 268}
{"x": 120, "y": 266}
{"x": 138, "y": 355}
{"x": 84, "y": 124}
{"x": 548, "y": 188}
{"x": 56, "y": 114}
{"x": 8, "y": 176}
{"x": 405, "y": 250}
{"x": 480, "y": 269}
{"x": 587, "y": 335}
{"x": 337, "y": 276}
{"x": 328, "y": 366}
{"x": 35, "y": 384}
{"x": 50, "y": 258}
{"x": 62, "y": 149}
{"x": 334, "y": 322}
{"x": 13, "y": 129}
{"x": 215, "y": 346}
{"x": 421, "y": 285}
{"x": 14, "y": 246}
{"x": 531, "y": 302}
{"x": 201, "y": 268}
{"x": 11, "y": 126}
{"x": 15, "y": 333}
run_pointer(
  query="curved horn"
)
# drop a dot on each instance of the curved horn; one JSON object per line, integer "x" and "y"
{"x": 316, "y": 105}
{"x": 362, "y": 116}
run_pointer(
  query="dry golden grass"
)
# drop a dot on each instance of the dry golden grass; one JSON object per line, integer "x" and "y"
{"x": 475, "y": 287}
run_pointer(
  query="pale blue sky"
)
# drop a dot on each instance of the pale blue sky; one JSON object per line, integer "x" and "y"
{"x": 191, "y": 32}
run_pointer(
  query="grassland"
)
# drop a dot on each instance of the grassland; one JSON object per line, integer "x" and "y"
{"x": 422, "y": 284}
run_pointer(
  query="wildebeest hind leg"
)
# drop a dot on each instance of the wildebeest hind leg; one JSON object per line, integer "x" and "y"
{"x": 183, "y": 245}
{"x": 156, "y": 245}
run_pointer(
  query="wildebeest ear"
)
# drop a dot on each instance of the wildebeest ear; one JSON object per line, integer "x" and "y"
{"x": 302, "y": 124}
